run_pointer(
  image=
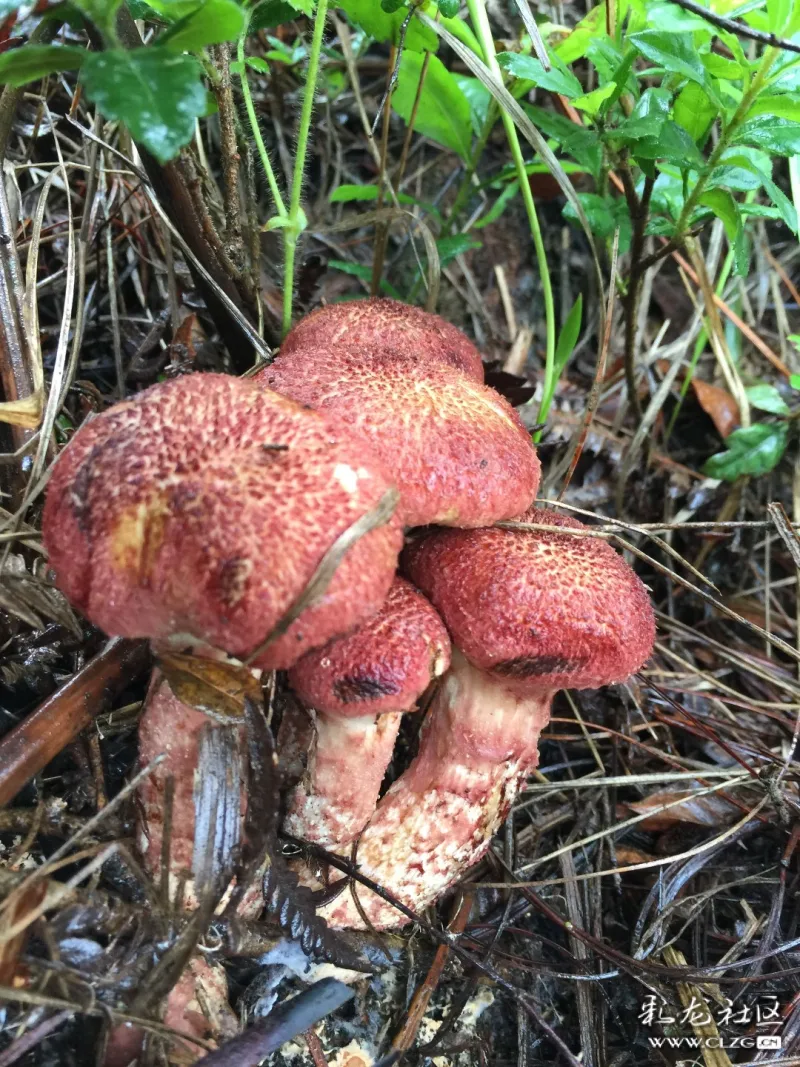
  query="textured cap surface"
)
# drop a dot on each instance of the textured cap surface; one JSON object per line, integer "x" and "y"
{"x": 385, "y": 665}
{"x": 457, "y": 450}
{"x": 203, "y": 507}
{"x": 391, "y": 324}
{"x": 541, "y": 609}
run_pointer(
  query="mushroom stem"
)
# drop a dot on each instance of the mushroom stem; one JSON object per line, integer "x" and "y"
{"x": 479, "y": 742}
{"x": 197, "y": 1005}
{"x": 346, "y": 765}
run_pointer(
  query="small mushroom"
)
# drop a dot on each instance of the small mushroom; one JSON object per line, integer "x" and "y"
{"x": 357, "y": 688}
{"x": 387, "y": 323}
{"x": 457, "y": 451}
{"x": 530, "y": 612}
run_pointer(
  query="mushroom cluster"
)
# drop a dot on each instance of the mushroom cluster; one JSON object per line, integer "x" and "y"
{"x": 198, "y": 513}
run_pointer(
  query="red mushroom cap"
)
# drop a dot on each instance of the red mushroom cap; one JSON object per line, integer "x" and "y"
{"x": 387, "y": 324}
{"x": 542, "y": 610}
{"x": 203, "y": 507}
{"x": 457, "y": 450}
{"x": 384, "y": 666}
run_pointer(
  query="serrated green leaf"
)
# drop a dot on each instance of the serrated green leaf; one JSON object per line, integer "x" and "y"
{"x": 783, "y": 105}
{"x": 694, "y": 111}
{"x": 673, "y": 144}
{"x": 766, "y": 397}
{"x": 755, "y": 449}
{"x": 359, "y": 270}
{"x": 385, "y": 27}
{"x": 725, "y": 208}
{"x": 213, "y": 22}
{"x": 553, "y": 80}
{"x": 605, "y": 215}
{"x": 575, "y": 45}
{"x": 719, "y": 67}
{"x": 648, "y": 116}
{"x": 156, "y": 94}
{"x": 675, "y": 52}
{"x": 450, "y": 247}
{"x": 442, "y": 112}
{"x": 592, "y": 102}
{"x": 582, "y": 144}
{"x": 776, "y": 135}
{"x": 35, "y": 61}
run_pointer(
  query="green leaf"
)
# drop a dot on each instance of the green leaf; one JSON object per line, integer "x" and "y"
{"x": 498, "y": 207}
{"x": 348, "y": 194}
{"x": 794, "y": 381}
{"x": 256, "y": 63}
{"x": 767, "y": 398}
{"x": 784, "y": 106}
{"x": 443, "y": 112}
{"x": 554, "y": 81}
{"x": 449, "y": 8}
{"x": 576, "y": 45}
{"x": 694, "y": 111}
{"x": 35, "y": 61}
{"x": 140, "y": 10}
{"x": 755, "y": 449}
{"x": 271, "y": 13}
{"x": 605, "y": 215}
{"x": 673, "y": 144}
{"x": 725, "y": 208}
{"x": 675, "y": 52}
{"x": 592, "y": 102}
{"x": 212, "y": 23}
{"x": 582, "y": 144}
{"x": 359, "y": 270}
{"x": 648, "y": 116}
{"x": 568, "y": 337}
{"x": 778, "y": 12}
{"x": 777, "y": 135}
{"x": 478, "y": 98}
{"x": 156, "y": 94}
{"x": 386, "y": 27}
{"x": 450, "y": 247}
{"x": 719, "y": 67}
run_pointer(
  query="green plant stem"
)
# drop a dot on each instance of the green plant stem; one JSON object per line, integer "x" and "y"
{"x": 263, "y": 154}
{"x": 296, "y": 221}
{"x": 727, "y": 135}
{"x": 480, "y": 23}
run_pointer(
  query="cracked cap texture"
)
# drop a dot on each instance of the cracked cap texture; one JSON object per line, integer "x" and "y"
{"x": 203, "y": 507}
{"x": 383, "y": 666}
{"x": 388, "y": 324}
{"x": 544, "y": 610}
{"x": 456, "y": 449}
